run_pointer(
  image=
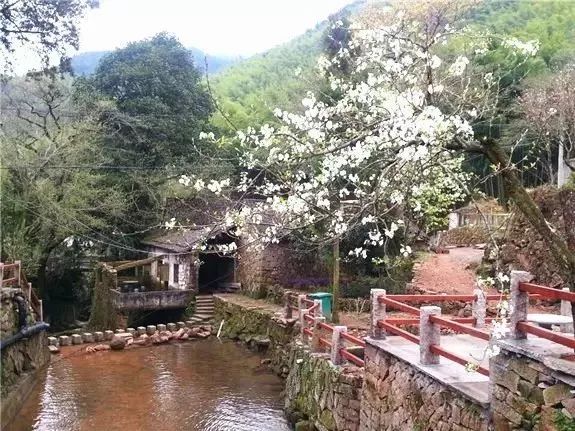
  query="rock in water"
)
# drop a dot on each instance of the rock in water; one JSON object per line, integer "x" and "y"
{"x": 117, "y": 343}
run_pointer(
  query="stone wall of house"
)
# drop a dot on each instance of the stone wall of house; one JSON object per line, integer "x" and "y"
{"x": 276, "y": 264}
{"x": 321, "y": 395}
{"x": 397, "y": 396}
{"x": 258, "y": 327}
{"x": 20, "y": 361}
{"x": 529, "y": 395}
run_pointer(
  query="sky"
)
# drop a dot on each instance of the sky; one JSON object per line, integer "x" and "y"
{"x": 218, "y": 27}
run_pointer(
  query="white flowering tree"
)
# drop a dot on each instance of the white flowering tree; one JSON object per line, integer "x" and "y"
{"x": 386, "y": 152}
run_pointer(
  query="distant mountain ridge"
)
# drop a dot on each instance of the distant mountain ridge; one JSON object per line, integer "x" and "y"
{"x": 86, "y": 63}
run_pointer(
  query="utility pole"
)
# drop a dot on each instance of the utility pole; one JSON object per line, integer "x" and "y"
{"x": 335, "y": 281}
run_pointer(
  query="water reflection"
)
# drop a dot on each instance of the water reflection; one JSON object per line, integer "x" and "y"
{"x": 204, "y": 385}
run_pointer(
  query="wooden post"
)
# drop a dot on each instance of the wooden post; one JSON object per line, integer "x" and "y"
{"x": 566, "y": 311}
{"x": 1, "y": 273}
{"x": 479, "y": 308}
{"x": 337, "y": 344}
{"x": 429, "y": 334}
{"x": 378, "y": 312}
{"x": 288, "y": 312}
{"x": 315, "y": 344}
{"x": 29, "y": 293}
{"x": 519, "y": 303}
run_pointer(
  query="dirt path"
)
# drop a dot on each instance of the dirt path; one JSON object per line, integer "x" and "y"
{"x": 451, "y": 273}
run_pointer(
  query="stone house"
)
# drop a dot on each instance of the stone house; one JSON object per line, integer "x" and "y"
{"x": 252, "y": 267}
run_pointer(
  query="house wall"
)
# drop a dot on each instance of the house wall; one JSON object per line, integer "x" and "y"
{"x": 276, "y": 264}
{"x": 187, "y": 269}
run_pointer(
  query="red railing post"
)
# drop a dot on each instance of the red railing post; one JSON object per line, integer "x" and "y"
{"x": 302, "y": 311}
{"x": 315, "y": 343}
{"x": 566, "y": 311}
{"x": 377, "y": 313}
{"x": 519, "y": 303}
{"x": 429, "y": 334}
{"x": 287, "y": 306}
{"x": 479, "y": 308}
{"x": 337, "y": 344}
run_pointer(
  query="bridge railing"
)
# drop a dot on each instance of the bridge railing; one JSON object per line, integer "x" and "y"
{"x": 320, "y": 335}
{"x": 12, "y": 275}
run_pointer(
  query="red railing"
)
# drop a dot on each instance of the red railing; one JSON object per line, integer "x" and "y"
{"x": 547, "y": 293}
{"x": 309, "y": 313}
{"x": 17, "y": 278}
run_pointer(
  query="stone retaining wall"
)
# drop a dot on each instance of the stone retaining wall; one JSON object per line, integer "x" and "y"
{"x": 258, "y": 327}
{"x": 325, "y": 396}
{"x": 530, "y": 394}
{"x": 397, "y": 396}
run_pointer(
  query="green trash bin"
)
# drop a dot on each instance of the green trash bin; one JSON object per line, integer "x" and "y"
{"x": 326, "y": 300}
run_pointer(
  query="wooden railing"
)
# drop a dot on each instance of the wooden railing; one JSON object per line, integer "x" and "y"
{"x": 12, "y": 275}
{"x": 314, "y": 330}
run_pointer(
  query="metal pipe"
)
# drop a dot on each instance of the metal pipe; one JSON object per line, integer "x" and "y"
{"x": 23, "y": 333}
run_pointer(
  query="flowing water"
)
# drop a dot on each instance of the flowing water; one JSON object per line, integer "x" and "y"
{"x": 204, "y": 385}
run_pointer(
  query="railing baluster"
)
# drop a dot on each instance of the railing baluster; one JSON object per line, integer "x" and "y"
{"x": 315, "y": 343}
{"x": 337, "y": 345}
{"x": 378, "y": 312}
{"x": 519, "y": 303}
{"x": 566, "y": 311}
{"x": 288, "y": 311}
{"x": 479, "y": 308}
{"x": 429, "y": 334}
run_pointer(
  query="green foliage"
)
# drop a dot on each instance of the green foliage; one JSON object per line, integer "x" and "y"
{"x": 247, "y": 92}
{"x": 563, "y": 422}
{"x": 395, "y": 274}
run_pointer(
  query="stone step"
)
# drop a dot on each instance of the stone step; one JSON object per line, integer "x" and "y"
{"x": 203, "y": 316}
{"x": 205, "y": 307}
{"x": 204, "y": 302}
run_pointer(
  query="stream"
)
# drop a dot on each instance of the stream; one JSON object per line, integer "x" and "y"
{"x": 203, "y": 385}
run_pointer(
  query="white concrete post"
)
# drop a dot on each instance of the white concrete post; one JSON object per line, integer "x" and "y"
{"x": 315, "y": 344}
{"x": 288, "y": 312}
{"x": 429, "y": 334}
{"x": 378, "y": 312}
{"x": 29, "y": 293}
{"x": 519, "y": 303}
{"x": 41, "y": 310}
{"x": 479, "y": 308}
{"x": 566, "y": 311}
{"x": 337, "y": 344}
{"x": 318, "y": 310}
{"x": 18, "y": 271}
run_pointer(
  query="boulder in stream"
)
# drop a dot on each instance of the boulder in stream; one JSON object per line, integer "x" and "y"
{"x": 118, "y": 343}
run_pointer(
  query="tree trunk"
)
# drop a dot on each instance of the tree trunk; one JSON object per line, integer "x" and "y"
{"x": 558, "y": 245}
{"x": 335, "y": 282}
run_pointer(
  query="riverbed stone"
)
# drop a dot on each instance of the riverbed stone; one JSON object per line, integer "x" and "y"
{"x": 64, "y": 340}
{"x": 76, "y": 339}
{"x": 52, "y": 341}
{"x": 181, "y": 325}
{"x": 150, "y": 329}
{"x": 108, "y": 335}
{"x": 117, "y": 343}
{"x": 98, "y": 336}
{"x": 161, "y": 327}
{"x": 141, "y": 330}
{"x": 172, "y": 327}
{"x": 88, "y": 337}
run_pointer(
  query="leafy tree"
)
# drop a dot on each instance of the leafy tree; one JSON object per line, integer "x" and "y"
{"x": 45, "y": 26}
{"x": 53, "y": 187}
